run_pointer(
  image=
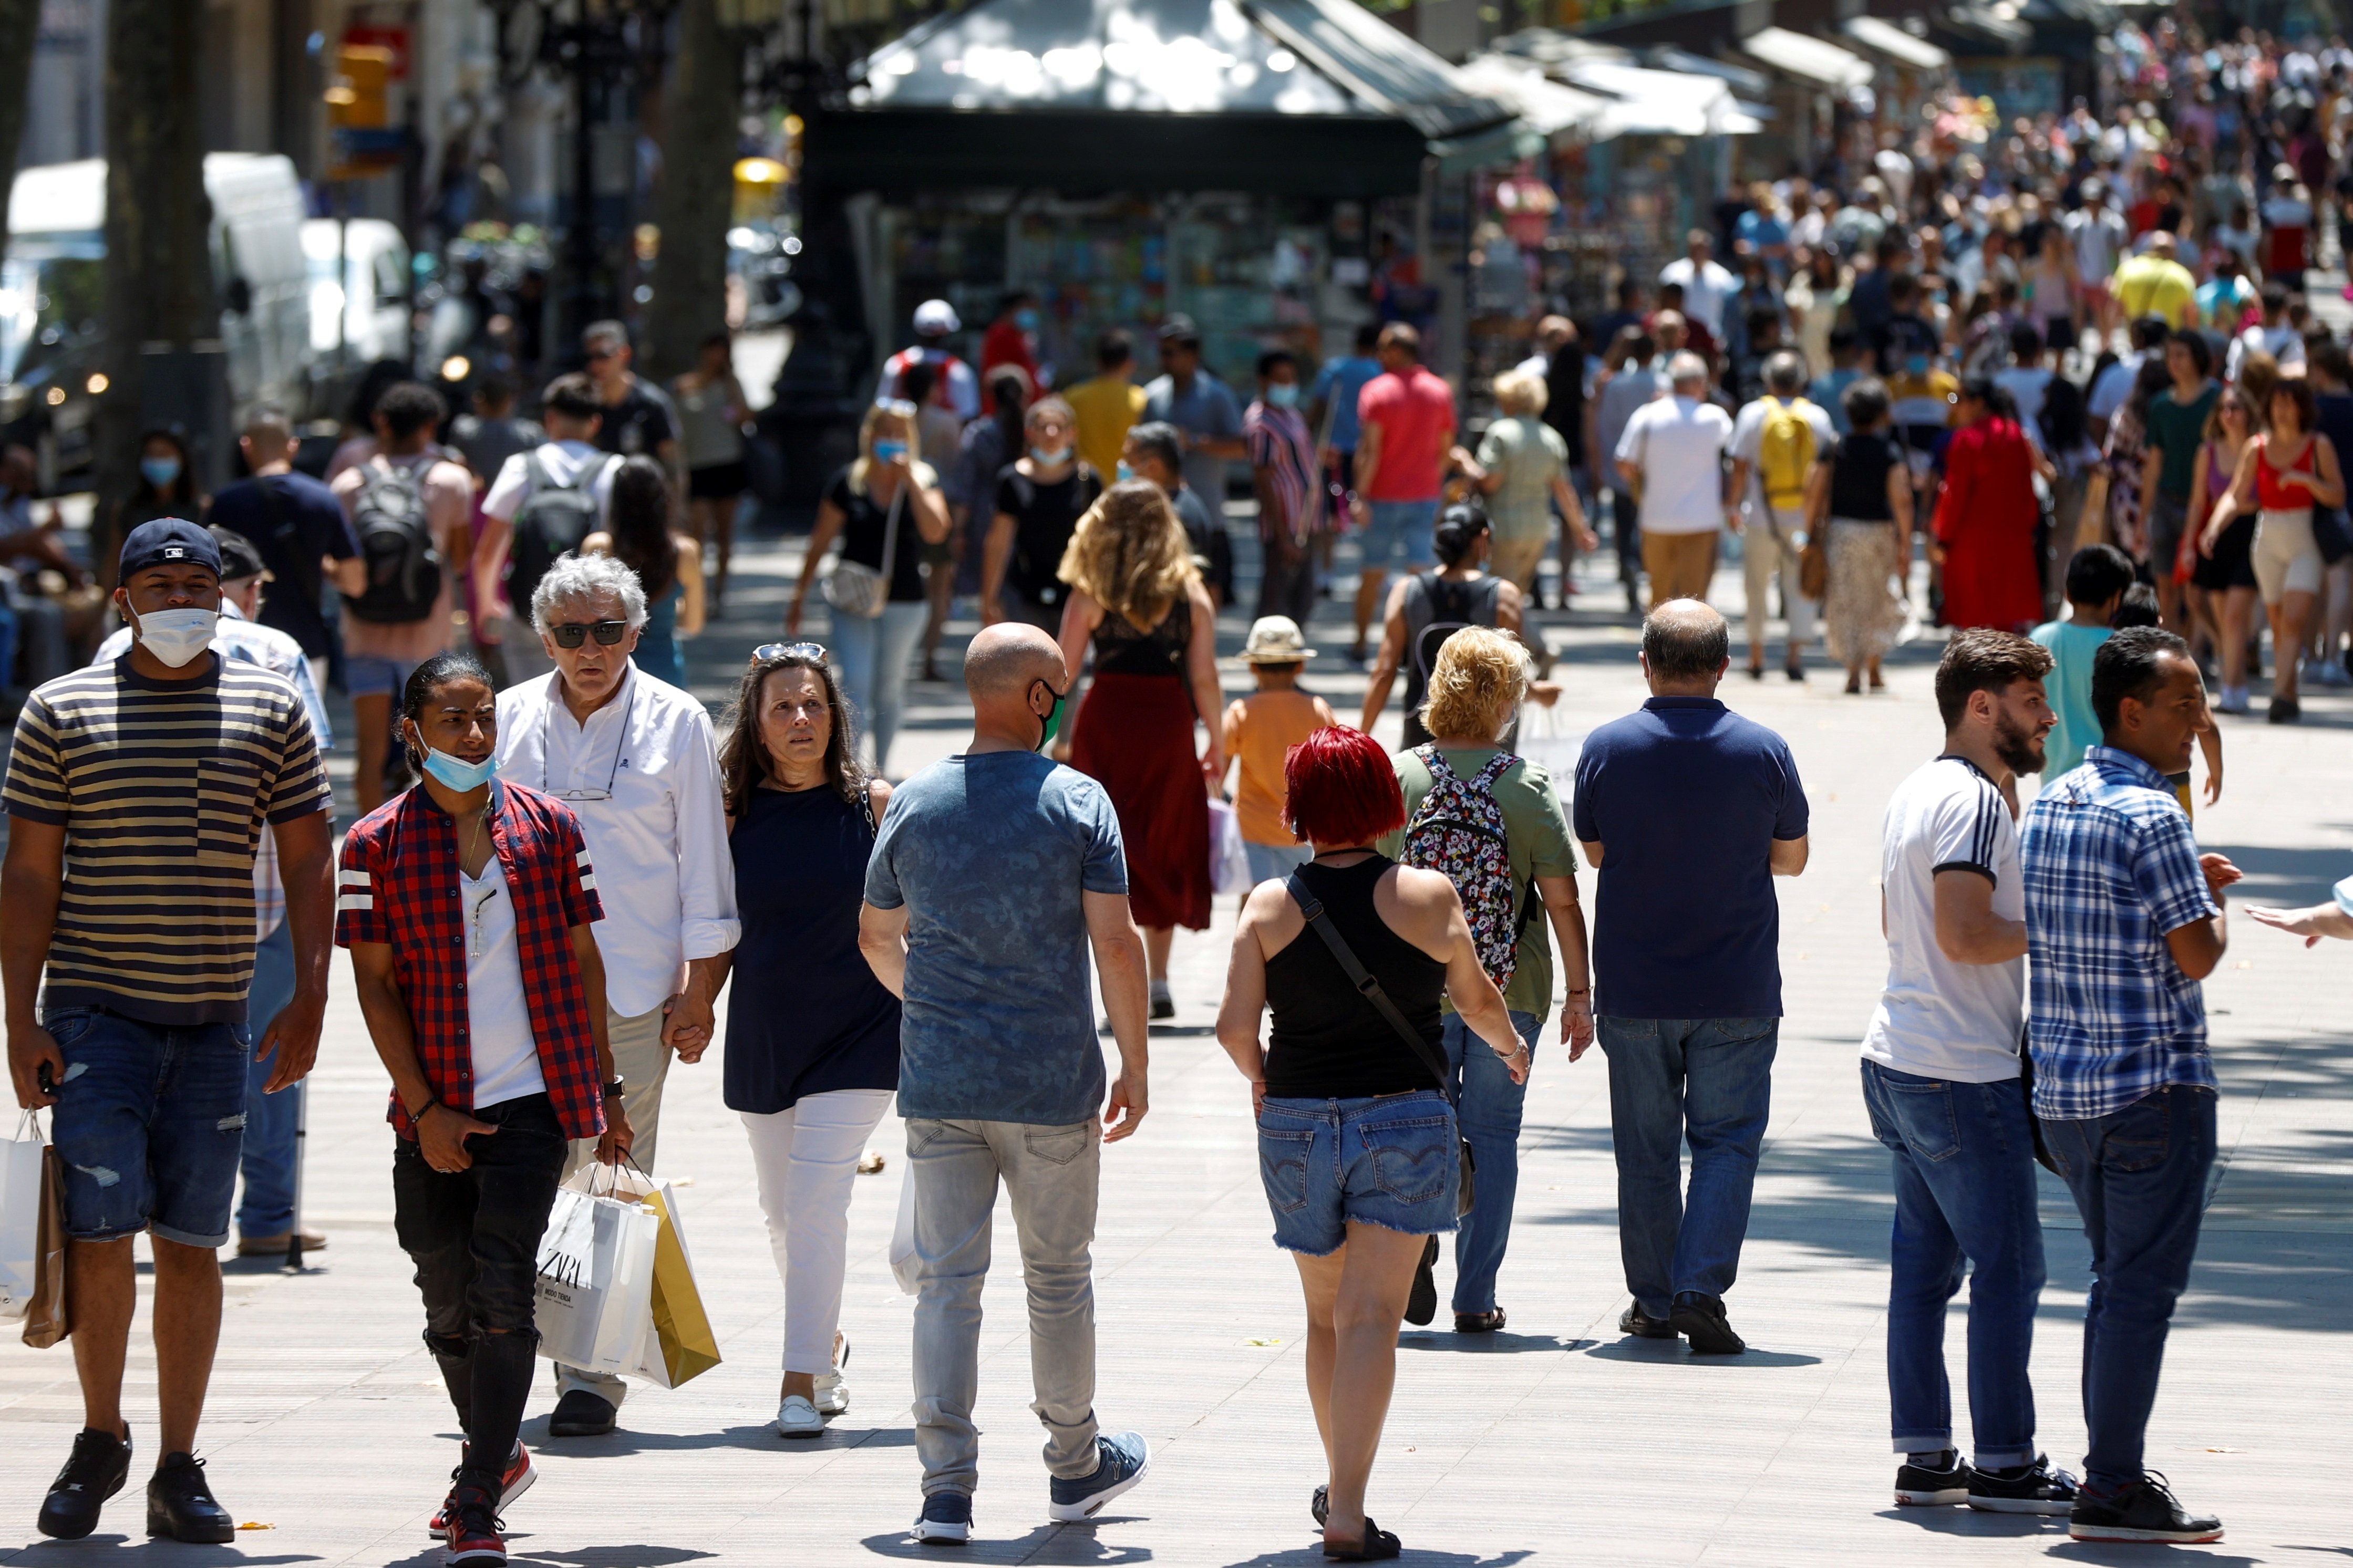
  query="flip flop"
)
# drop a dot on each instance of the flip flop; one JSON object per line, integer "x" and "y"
{"x": 1319, "y": 1503}
{"x": 1377, "y": 1545}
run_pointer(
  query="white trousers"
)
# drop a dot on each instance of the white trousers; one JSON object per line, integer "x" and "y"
{"x": 806, "y": 1158}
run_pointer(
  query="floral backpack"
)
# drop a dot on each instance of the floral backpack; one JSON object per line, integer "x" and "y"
{"x": 1459, "y": 831}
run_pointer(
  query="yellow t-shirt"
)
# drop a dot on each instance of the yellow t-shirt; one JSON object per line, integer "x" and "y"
{"x": 1260, "y": 730}
{"x": 1107, "y": 409}
{"x": 2150, "y": 286}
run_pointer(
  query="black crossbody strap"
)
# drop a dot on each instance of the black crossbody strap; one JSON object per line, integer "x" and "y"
{"x": 1362, "y": 979}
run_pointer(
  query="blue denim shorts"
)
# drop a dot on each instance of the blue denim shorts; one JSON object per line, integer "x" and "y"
{"x": 1390, "y": 1161}
{"x": 1391, "y": 526}
{"x": 368, "y": 674}
{"x": 150, "y": 1120}
{"x": 1273, "y": 862}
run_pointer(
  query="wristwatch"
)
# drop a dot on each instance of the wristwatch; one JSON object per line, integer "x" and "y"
{"x": 613, "y": 1089}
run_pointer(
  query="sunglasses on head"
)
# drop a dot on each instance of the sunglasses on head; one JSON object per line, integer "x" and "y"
{"x": 774, "y": 650}
{"x": 571, "y": 633}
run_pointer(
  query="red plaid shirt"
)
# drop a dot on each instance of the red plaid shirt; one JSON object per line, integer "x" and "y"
{"x": 398, "y": 885}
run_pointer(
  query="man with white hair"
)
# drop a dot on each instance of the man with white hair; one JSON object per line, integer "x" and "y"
{"x": 954, "y": 387}
{"x": 634, "y": 759}
{"x": 1671, "y": 456}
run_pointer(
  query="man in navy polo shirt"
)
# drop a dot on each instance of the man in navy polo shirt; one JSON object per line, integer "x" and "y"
{"x": 1689, "y": 811}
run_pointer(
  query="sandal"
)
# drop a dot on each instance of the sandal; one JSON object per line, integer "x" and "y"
{"x": 1319, "y": 1503}
{"x": 1479, "y": 1322}
{"x": 1377, "y": 1545}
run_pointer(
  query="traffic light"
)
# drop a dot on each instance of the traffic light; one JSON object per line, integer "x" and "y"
{"x": 366, "y": 142}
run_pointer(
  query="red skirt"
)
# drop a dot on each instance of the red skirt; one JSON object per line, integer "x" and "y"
{"x": 1134, "y": 735}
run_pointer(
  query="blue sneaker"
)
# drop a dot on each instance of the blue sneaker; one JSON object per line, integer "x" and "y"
{"x": 946, "y": 1520}
{"x": 1123, "y": 1457}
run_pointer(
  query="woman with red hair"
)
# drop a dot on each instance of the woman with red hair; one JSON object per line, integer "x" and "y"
{"x": 1357, "y": 1145}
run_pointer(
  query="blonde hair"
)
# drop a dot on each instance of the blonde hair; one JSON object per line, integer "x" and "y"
{"x": 1521, "y": 392}
{"x": 1129, "y": 553}
{"x": 906, "y": 413}
{"x": 1478, "y": 667}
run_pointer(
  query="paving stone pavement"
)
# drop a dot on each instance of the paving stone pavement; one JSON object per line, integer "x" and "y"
{"x": 1556, "y": 1441}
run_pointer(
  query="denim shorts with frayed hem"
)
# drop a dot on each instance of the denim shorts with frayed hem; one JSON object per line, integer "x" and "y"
{"x": 1389, "y": 1160}
{"x": 149, "y": 1123}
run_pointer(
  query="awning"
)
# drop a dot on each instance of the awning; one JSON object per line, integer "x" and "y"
{"x": 1746, "y": 83}
{"x": 1544, "y": 107}
{"x": 1809, "y": 59}
{"x": 1656, "y": 103}
{"x": 1885, "y": 37}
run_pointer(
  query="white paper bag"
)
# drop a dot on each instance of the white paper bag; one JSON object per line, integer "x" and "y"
{"x": 902, "y": 1236}
{"x": 20, "y": 1217}
{"x": 1228, "y": 861}
{"x": 597, "y": 1280}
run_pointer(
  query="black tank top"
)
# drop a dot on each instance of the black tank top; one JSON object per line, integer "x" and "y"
{"x": 1121, "y": 649}
{"x": 1328, "y": 1042}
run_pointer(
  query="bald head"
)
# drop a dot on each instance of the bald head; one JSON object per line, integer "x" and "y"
{"x": 1685, "y": 648}
{"x": 1005, "y": 658}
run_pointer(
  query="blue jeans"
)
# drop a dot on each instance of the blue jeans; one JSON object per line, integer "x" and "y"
{"x": 872, "y": 656}
{"x": 1708, "y": 1081}
{"x": 148, "y": 1120}
{"x": 1273, "y": 862}
{"x": 1389, "y": 1160}
{"x": 267, "y": 1207}
{"x": 1394, "y": 526}
{"x": 1489, "y": 1108}
{"x": 2139, "y": 1179}
{"x": 1964, "y": 1195}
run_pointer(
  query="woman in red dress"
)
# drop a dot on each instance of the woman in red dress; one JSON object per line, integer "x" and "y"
{"x": 1138, "y": 600}
{"x": 1984, "y": 534}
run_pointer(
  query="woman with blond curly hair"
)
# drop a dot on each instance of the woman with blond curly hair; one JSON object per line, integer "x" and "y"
{"x": 1138, "y": 601}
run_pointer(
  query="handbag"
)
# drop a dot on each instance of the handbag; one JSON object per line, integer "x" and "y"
{"x": 1813, "y": 567}
{"x": 857, "y": 589}
{"x": 1466, "y": 1189}
{"x": 678, "y": 1342}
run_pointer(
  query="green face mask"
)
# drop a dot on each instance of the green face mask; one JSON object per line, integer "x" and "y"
{"x": 1053, "y": 719}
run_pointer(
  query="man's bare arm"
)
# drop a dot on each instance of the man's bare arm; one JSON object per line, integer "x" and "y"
{"x": 31, "y": 883}
{"x": 1789, "y": 857}
{"x": 882, "y": 938}
{"x": 1121, "y": 970}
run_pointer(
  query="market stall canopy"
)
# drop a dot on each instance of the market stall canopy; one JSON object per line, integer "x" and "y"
{"x": 1883, "y": 37}
{"x": 1645, "y": 102}
{"x": 1546, "y": 107}
{"x": 1815, "y": 61}
{"x": 1297, "y": 97}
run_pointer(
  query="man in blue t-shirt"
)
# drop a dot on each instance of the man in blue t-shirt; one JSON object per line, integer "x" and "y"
{"x": 1689, "y": 811}
{"x": 994, "y": 874}
{"x": 298, "y": 528}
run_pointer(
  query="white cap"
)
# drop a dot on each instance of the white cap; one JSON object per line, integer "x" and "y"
{"x": 936, "y": 316}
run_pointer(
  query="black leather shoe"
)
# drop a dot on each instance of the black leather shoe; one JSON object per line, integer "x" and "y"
{"x": 580, "y": 1413}
{"x": 180, "y": 1503}
{"x": 1700, "y": 1319}
{"x": 94, "y": 1472}
{"x": 1636, "y": 1322}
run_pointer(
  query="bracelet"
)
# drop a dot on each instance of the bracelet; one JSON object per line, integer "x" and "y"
{"x": 417, "y": 1118}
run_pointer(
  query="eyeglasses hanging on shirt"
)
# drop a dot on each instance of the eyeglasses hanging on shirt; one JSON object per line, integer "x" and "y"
{"x": 620, "y": 744}
{"x": 477, "y": 895}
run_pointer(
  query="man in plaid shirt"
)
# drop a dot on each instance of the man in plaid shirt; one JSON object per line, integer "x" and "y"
{"x": 468, "y": 904}
{"x": 2124, "y": 919}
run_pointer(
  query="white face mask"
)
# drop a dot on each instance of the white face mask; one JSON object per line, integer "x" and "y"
{"x": 177, "y": 637}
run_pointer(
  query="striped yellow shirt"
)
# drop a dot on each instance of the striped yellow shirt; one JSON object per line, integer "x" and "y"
{"x": 161, "y": 788}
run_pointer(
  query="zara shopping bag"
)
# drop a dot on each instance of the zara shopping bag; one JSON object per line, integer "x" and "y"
{"x": 20, "y": 1217}
{"x": 678, "y": 1342}
{"x": 595, "y": 1276}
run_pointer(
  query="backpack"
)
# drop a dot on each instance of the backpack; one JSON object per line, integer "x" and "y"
{"x": 395, "y": 539}
{"x": 1785, "y": 455}
{"x": 1458, "y": 829}
{"x": 1453, "y": 607}
{"x": 549, "y": 525}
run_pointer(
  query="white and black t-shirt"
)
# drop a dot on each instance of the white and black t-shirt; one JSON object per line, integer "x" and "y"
{"x": 1939, "y": 1019}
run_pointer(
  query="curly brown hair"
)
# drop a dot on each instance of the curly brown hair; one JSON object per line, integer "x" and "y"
{"x": 1129, "y": 553}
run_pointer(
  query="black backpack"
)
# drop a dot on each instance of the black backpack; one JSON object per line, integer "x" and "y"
{"x": 396, "y": 538}
{"x": 549, "y": 525}
{"x": 1453, "y": 607}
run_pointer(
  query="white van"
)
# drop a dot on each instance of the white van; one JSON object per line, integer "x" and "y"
{"x": 372, "y": 294}
{"x": 51, "y": 290}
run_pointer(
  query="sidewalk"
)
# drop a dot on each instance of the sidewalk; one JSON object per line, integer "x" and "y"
{"x": 1555, "y": 1442}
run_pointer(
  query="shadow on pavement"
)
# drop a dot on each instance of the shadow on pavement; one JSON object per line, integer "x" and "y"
{"x": 1661, "y": 1352}
{"x": 1503, "y": 1342}
{"x": 621, "y": 1442}
{"x": 1048, "y": 1544}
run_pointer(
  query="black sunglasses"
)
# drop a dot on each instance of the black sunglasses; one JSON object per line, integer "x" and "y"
{"x": 571, "y": 633}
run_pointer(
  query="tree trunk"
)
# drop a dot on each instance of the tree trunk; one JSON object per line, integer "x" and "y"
{"x": 20, "y": 23}
{"x": 159, "y": 274}
{"x": 695, "y": 205}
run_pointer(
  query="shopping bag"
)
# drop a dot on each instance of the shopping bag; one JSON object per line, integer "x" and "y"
{"x": 678, "y": 1342}
{"x": 49, "y": 1316}
{"x": 20, "y": 1217}
{"x": 903, "y": 1237}
{"x": 595, "y": 1278}
{"x": 1228, "y": 861}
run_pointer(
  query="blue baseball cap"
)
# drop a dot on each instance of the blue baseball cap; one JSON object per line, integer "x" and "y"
{"x": 168, "y": 542}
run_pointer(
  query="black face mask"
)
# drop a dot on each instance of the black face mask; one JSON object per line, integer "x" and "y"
{"x": 1053, "y": 721}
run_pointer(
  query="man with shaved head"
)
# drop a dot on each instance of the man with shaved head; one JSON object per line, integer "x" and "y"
{"x": 994, "y": 874}
{"x": 1689, "y": 812}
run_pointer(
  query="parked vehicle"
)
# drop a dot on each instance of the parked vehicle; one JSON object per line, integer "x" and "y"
{"x": 372, "y": 296}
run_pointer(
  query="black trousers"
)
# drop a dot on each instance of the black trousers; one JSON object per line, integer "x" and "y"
{"x": 474, "y": 1237}
{"x": 1287, "y": 587}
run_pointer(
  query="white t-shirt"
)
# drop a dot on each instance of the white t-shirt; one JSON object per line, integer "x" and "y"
{"x": 564, "y": 461}
{"x": 2027, "y": 388}
{"x": 2115, "y": 384}
{"x": 498, "y": 1018}
{"x": 1706, "y": 289}
{"x": 1958, "y": 1022}
{"x": 2282, "y": 342}
{"x": 1749, "y": 445}
{"x": 2099, "y": 234}
{"x": 1679, "y": 442}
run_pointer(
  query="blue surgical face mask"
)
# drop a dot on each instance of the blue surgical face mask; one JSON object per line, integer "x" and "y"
{"x": 890, "y": 451}
{"x": 160, "y": 472}
{"x": 1126, "y": 471}
{"x": 1025, "y": 319}
{"x": 1053, "y": 458}
{"x": 1282, "y": 393}
{"x": 1916, "y": 364}
{"x": 463, "y": 777}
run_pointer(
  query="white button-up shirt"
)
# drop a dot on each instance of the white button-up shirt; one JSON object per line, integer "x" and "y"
{"x": 659, "y": 841}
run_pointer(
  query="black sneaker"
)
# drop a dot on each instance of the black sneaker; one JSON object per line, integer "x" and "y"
{"x": 180, "y": 1504}
{"x": 1164, "y": 1007}
{"x": 2037, "y": 1487}
{"x": 94, "y": 1472}
{"x": 1925, "y": 1486}
{"x": 2144, "y": 1510}
{"x": 1636, "y": 1322}
{"x": 1422, "y": 1301}
{"x": 580, "y": 1413}
{"x": 1700, "y": 1319}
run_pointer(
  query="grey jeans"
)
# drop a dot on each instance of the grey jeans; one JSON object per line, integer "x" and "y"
{"x": 1050, "y": 1172}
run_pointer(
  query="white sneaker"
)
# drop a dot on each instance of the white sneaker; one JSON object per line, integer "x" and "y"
{"x": 797, "y": 1417}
